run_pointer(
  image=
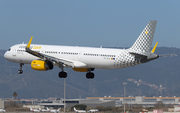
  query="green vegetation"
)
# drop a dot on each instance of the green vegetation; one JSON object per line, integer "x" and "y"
{"x": 15, "y": 95}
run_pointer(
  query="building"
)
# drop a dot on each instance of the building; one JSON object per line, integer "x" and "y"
{"x": 1, "y": 104}
{"x": 145, "y": 101}
{"x": 93, "y": 103}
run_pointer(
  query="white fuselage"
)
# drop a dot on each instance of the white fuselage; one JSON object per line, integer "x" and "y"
{"x": 104, "y": 58}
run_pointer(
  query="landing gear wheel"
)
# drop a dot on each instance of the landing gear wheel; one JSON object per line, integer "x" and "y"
{"x": 20, "y": 71}
{"x": 62, "y": 74}
{"x": 89, "y": 75}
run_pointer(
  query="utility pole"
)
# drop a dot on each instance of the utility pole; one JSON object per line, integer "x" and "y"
{"x": 64, "y": 94}
{"x": 131, "y": 103}
{"x": 124, "y": 83}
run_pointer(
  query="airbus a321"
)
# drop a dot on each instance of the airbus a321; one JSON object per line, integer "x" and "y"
{"x": 84, "y": 59}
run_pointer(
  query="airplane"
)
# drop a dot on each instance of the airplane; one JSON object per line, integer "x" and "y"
{"x": 43, "y": 110}
{"x": 34, "y": 110}
{"x": 84, "y": 59}
{"x": 93, "y": 110}
{"x": 2, "y": 110}
{"x": 79, "y": 111}
{"x": 55, "y": 111}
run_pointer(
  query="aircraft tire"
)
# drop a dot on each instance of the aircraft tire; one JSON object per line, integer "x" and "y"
{"x": 89, "y": 75}
{"x": 20, "y": 71}
{"x": 62, "y": 74}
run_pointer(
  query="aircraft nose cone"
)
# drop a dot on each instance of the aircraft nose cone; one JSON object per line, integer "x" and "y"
{"x": 6, "y": 55}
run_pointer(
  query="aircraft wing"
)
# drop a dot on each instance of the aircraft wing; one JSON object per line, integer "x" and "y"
{"x": 55, "y": 60}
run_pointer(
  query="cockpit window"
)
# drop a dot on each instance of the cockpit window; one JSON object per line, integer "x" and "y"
{"x": 9, "y": 49}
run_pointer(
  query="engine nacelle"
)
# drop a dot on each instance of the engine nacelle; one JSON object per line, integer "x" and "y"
{"x": 41, "y": 65}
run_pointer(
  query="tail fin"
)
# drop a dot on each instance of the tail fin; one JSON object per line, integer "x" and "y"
{"x": 144, "y": 41}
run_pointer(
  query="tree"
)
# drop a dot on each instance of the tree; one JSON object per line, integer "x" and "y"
{"x": 15, "y": 95}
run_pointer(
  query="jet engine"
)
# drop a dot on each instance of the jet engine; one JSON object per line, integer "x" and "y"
{"x": 41, "y": 65}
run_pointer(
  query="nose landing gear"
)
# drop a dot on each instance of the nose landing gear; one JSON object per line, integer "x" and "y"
{"x": 20, "y": 71}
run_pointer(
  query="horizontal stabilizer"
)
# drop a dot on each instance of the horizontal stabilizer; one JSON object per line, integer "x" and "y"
{"x": 145, "y": 57}
{"x": 138, "y": 55}
{"x": 168, "y": 55}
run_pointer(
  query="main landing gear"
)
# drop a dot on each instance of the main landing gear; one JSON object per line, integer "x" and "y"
{"x": 62, "y": 74}
{"x": 89, "y": 75}
{"x": 20, "y": 71}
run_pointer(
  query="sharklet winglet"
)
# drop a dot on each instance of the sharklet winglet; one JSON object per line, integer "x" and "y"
{"x": 29, "y": 43}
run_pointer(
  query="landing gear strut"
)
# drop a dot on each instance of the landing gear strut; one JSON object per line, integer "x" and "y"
{"x": 20, "y": 71}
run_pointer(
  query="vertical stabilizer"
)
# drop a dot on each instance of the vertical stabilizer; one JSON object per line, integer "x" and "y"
{"x": 144, "y": 41}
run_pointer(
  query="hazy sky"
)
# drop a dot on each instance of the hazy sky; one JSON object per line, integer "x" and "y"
{"x": 110, "y": 23}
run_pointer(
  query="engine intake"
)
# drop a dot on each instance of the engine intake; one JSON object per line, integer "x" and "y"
{"x": 41, "y": 65}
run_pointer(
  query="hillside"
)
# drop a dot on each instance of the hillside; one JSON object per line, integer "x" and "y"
{"x": 164, "y": 71}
